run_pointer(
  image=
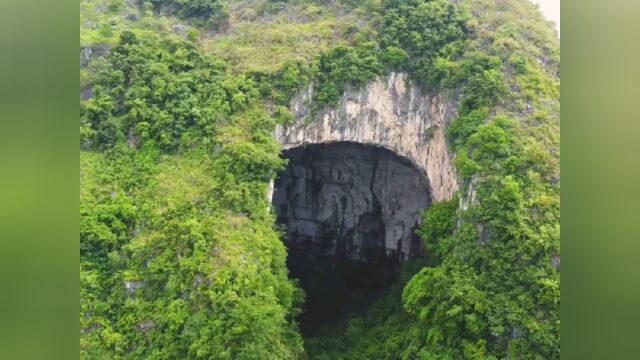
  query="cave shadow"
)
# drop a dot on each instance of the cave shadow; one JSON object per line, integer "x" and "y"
{"x": 349, "y": 213}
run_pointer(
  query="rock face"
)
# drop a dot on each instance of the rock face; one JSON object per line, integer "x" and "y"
{"x": 387, "y": 113}
{"x": 351, "y": 201}
{"x": 350, "y": 212}
{"x": 359, "y": 176}
{"x": 89, "y": 52}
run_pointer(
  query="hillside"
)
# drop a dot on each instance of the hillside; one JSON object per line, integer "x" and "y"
{"x": 184, "y": 104}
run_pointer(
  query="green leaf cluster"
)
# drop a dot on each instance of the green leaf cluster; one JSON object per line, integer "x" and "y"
{"x": 334, "y": 70}
{"x": 428, "y": 32}
{"x": 203, "y": 11}
{"x": 180, "y": 257}
{"x": 160, "y": 90}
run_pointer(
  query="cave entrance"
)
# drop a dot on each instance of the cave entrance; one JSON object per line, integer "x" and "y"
{"x": 349, "y": 212}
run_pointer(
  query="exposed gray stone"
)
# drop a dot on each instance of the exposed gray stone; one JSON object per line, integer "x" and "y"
{"x": 180, "y": 30}
{"x": 146, "y": 325}
{"x": 89, "y": 52}
{"x": 86, "y": 94}
{"x": 485, "y": 233}
{"x": 389, "y": 113}
{"x": 130, "y": 286}
{"x": 351, "y": 199}
{"x": 132, "y": 17}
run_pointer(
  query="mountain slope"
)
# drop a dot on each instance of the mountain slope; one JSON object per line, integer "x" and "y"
{"x": 180, "y": 256}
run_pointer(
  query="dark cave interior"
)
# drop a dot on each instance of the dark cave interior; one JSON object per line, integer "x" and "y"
{"x": 349, "y": 213}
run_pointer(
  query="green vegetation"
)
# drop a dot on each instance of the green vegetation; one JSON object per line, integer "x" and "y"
{"x": 490, "y": 288}
{"x": 265, "y": 34}
{"x": 342, "y": 66}
{"x": 206, "y": 12}
{"x": 161, "y": 90}
{"x": 388, "y": 331}
{"x": 180, "y": 257}
{"x": 102, "y": 21}
{"x": 429, "y": 32}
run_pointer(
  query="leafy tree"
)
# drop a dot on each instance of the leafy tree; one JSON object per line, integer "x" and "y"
{"x": 342, "y": 66}
{"x": 394, "y": 58}
{"x": 180, "y": 257}
{"x": 160, "y": 90}
{"x": 425, "y": 30}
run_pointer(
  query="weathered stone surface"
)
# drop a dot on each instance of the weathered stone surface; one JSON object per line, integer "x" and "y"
{"x": 89, "y": 52}
{"x": 351, "y": 200}
{"x": 180, "y": 29}
{"x": 388, "y": 113}
{"x": 146, "y": 325}
{"x": 131, "y": 286}
{"x": 350, "y": 213}
{"x": 360, "y": 175}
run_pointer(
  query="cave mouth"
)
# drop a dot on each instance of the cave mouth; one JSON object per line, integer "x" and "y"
{"x": 349, "y": 213}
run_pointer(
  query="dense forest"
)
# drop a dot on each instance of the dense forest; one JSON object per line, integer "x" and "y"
{"x": 181, "y": 257}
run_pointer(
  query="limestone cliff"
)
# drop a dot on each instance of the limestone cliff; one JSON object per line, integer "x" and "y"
{"x": 350, "y": 200}
{"x": 389, "y": 113}
{"x": 350, "y": 212}
{"x": 340, "y": 197}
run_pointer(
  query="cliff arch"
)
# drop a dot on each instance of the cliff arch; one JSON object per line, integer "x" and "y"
{"x": 358, "y": 178}
{"x": 390, "y": 113}
{"x": 349, "y": 213}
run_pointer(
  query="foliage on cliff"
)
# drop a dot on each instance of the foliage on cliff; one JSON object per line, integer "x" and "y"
{"x": 492, "y": 289}
{"x": 206, "y": 11}
{"x": 180, "y": 257}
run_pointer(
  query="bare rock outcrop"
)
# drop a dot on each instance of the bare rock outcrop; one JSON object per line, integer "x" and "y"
{"x": 389, "y": 113}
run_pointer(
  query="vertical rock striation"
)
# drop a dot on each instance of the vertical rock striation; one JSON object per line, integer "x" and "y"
{"x": 350, "y": 212}
{"x": 351, "y": 201}
{"x": 388, "y": 113}
{"x": 359, "y": 176}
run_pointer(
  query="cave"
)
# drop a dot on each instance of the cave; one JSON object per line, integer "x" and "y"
{"x": 348, "y": 213}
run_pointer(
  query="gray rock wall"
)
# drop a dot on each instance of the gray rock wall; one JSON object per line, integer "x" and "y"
{"x": 351, "y": 201}
{"x": 389, "y": 113}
